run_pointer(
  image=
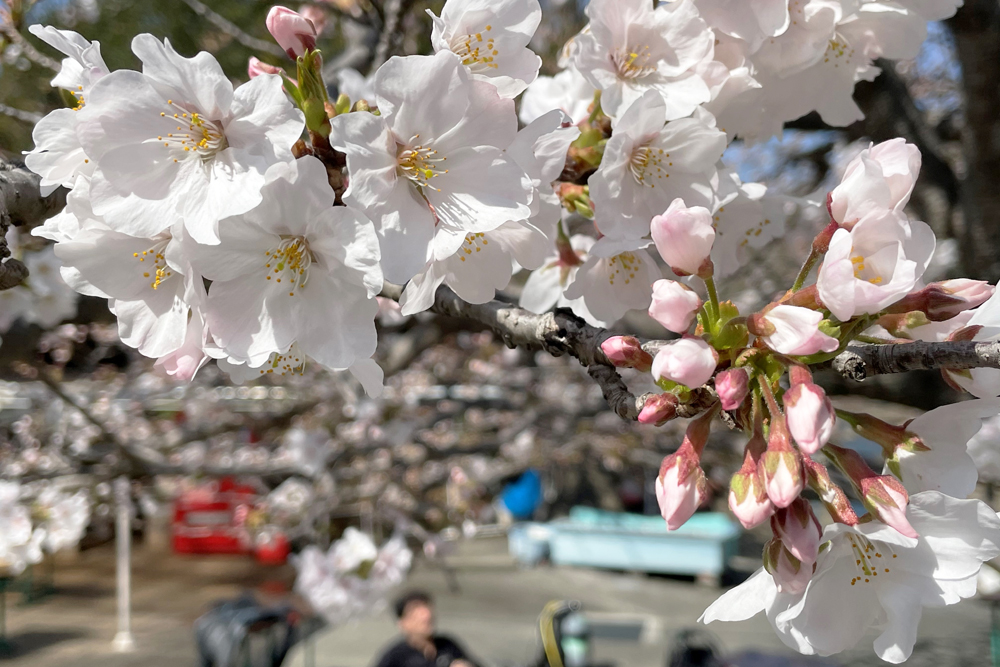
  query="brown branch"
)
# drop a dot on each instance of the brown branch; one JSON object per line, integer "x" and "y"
{"x": 20, "y": 114}
{"x": 56, "y": 388}
{"x": 858, "y": 362}
{"x": 392, "y": 31}
{"x": 233, "y": 30}
{"x": 29, "y": 51}
{"x": 21, "y": 203}
{"x": 561, "y": 332}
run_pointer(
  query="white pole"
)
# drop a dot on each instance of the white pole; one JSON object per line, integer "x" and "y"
{"x": 123, "y": 642}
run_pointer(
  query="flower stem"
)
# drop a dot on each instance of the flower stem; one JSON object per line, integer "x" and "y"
{"x": 804, "y": 272}
{"x": 713, "y": 298}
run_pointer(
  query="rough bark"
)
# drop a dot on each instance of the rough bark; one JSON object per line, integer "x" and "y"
{"x": 21, "y": 203}
{"x": 976, "y": 27}
{"x": 561, "y": 332}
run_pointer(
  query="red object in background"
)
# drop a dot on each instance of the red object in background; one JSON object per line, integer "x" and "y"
{"x": 273, "y": 551}
{"x": 208, "y": 520}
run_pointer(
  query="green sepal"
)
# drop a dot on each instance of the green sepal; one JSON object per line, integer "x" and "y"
{"x": 729, "y": 334}
{"x": 830, "y": 329}
{"x": 343, "y": 104}
{"x": 316, "y": 118}
{"x": 588, "y": 138}
{"x": 583, "y": 209}
{"x": 292, "y": 89}
{"x": 893, "y": 464}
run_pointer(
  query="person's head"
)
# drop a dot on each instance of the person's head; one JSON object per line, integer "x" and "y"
{"x": 415, "y": 611}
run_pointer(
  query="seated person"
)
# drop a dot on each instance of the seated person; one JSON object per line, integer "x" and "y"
{"x": 420, "y": 646}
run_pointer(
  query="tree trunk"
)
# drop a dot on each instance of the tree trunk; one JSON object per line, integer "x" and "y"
{"x": 976, "y": 27}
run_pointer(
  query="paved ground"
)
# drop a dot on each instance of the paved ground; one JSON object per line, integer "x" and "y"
{"x": 493, "y": 613}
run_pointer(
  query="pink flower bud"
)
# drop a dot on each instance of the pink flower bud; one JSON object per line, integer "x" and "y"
{"x": 659, "y": 409}
{"x": 889, "y": 436}
{"x": 882, "y": 495}
{"x": 684, "y": 238}
{"x": 810, "y": 416}
{"x": 880, "y": 177}
{"x": 833, "y": 497}
{"x": 791, "y": 575}
{"x": 293, "y": 32}
{"x": 795, "y": 331}
{"x": 681, "y": 486}
{"x": 975, "y": 292}
{"x": 689, "y": 361}
{"x": 886, "y": 499}
{"x": 799, "y": 530}
{"x": 781, "y": 465}
{"x": 674, "y": 305}
{"x": 948, "y": 298}
{"x": 747, "y": 498}
{"x": 732, "y": 386}
{"x": 256, "y": 67}
{"x": 944, "y": 300}
{"x": 627, "y": 352}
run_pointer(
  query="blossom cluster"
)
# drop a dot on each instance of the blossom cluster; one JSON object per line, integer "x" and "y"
{"x": 352, "y": 579}
{"x": 38, "y": 521}
{"x": 256, "y": 225}
{"x": 919, "y": 540}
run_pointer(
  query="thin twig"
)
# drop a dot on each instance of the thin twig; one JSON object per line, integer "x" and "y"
{"x": 858, "y": 362}
{"x": 29, "y": 51}
{"x": 26, "y": 116}
{"x": 233, "y": 30}
{"x": 392, "y": 29}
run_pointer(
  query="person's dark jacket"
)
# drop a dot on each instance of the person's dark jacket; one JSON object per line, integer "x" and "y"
{"x": 402, "y": 654}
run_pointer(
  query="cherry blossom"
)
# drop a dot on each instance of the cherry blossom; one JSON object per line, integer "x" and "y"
{"x": 880, "y": 178}
{"x": 745, "y": 217}
{"x": 616, "y": 278}
{"x": 177, "y": 142}
{"x": 795, "y": 331}
{"x": 353, "y": 578}
{"x": 751, "y": 21}
{"x": 16, "y": 533}
{"x": 567, "y": 91}
{"x": 484, "y": 262}
{"x": 674, "y": 305}
{"x": 631, "y": 47}
{"x": 627, "y": 352}
{"x": 150, "y": 284}
{"x": 64, "y": 517}
{"x": 781, "y": 465}
{"x": 874, "y": 264}
{"x": 545, "y": 288}
{"x": 689, "y": 361}
{"x": 684, "y": 237}
{"x": 870, "y": 576}
{"x": 810, "y": 416}
{"x": 431, "y": 168}
{"x": 491, "y": 38}
{"x": 681, "y": 486}
{"x": 940, "y": 459}
{"x": 294, "y": 269}
{"x": 58, "y": 156}
{"x": 648, "y": 164}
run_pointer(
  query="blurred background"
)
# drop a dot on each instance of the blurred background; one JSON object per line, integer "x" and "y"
{"x": 505, "y": 472}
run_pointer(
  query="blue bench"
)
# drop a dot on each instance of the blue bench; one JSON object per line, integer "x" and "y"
{"x": 621, "y": 541}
